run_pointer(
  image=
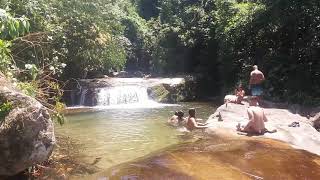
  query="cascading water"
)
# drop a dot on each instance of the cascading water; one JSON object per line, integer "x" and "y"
{"x": 83, "y": 96}
{"x": 119, "y": 93}
{"x": 122, "y": 95}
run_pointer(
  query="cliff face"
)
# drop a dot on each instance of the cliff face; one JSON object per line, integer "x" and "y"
{"x": 26, "y": 131}
{"x": 303, "y": 137}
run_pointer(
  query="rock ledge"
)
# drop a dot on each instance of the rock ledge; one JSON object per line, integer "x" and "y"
{"x": 304, "y": 137}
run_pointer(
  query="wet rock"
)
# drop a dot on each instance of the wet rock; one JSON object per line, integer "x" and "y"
{"x": 304, "y": 137}
{"x": 121, "y": 74}
{"x": 316, "y": 121}
{"x": 125, "y": 74}
{"x": 172, "y": 93}
{"x": 26, "y": 132}
{"x": 220, "y": 158}
{"x": 90, "y": 97}
{"x": 159, "y": 93}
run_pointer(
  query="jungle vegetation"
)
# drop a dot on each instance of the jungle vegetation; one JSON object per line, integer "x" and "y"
{"x": 44, "y": 43}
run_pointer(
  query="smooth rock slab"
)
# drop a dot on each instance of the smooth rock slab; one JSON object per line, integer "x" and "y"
{"x": 304, "y": 137}
{"x": 26, "y": 133}
{"x": 232, "y": 158}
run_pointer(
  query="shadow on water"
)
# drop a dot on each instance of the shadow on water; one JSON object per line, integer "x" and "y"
{"x": 214, "y": 158}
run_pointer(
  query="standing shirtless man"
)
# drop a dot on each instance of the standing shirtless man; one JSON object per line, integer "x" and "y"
{"x": 256, "y": 78}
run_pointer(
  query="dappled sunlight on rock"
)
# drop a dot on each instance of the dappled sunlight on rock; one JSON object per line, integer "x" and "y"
{"x": 227, "y": 159}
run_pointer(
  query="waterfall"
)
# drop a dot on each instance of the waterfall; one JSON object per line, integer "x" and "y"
{"x": 83, "y": 96}
{"x": 113, "y": 93}
{"x": 122, "y": 95}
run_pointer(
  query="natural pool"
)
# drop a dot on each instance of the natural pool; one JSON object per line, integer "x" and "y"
{"x": 136, "y": 143}
{"x": 108, "y": 137}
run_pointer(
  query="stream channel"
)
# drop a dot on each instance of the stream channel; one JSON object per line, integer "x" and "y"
{"x": 127, "y": 137}
{"x": 122, "y": 134}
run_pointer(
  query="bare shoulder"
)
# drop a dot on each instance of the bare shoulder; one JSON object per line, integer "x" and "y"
{"x": 259, "y": 72}
{"x": 192, "y": 118}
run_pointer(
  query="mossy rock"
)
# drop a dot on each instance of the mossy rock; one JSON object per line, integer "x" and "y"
{"x": 159, "y": 93}
{"x": 166, "y": 93}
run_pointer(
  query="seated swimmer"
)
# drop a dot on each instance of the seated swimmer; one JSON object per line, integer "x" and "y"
{"x": 239, "y": 92}
{"x": 236, "y": 98}
{"x": 177, "y": 119}
{"x": 192, "y": 123}
{"x": 257, "y": 118}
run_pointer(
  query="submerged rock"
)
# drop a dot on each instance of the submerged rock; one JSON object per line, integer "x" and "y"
{"x": 303, "y": 137}
{"x": 26, "y": 132}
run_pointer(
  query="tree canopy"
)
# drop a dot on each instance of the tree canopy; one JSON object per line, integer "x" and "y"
{"x": 218, "y": 39}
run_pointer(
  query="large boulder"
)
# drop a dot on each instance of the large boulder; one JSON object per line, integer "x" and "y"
{"x": 26, "y": 131}
{"x": 303, "y": 137}
{"x": 172, "y": 93}
{"x": 159, "y": 93}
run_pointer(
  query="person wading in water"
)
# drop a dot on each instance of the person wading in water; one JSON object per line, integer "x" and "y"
{"x": 177, "y": 119}
{"x": 192, "y": 123}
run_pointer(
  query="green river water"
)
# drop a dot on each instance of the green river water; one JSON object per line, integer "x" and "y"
{"x": 137, "y": 143}
{"x": 119, "y": 135}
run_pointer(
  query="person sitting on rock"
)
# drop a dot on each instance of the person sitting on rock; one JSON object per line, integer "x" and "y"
{"x": 192, "y": 123}
{"x": 177, "y": 119}
{"x": 239, "y": 92}
{"x": 237, "y": 97}
{"x": 257, "y": 118}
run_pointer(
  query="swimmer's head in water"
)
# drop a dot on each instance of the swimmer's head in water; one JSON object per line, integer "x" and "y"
{"x": 176, "y": 113}
{"x": 180, "y": 114}
{"x": 192, "y": 112}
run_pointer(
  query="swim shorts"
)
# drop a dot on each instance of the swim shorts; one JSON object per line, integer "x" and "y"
{"x": 256, "y": 90}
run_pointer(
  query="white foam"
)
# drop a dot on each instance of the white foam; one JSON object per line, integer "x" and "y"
{"x": 146, "y": 105}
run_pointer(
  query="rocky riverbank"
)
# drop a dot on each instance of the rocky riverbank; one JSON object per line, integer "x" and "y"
{"x": 219, "y": 152}
{"x": 26, "y": 130}
{"x": 303, "y": 137}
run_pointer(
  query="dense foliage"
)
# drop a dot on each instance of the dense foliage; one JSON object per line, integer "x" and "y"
{"x": 222, "y": 39}
{"x": 5, "y": 108}
{"x": 53, "y": 40}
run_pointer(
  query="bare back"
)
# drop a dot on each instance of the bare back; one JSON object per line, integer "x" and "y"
{"x": 257, "y": 118}
{"x": 256, "y": 77}
{"x": 191, "y": 123}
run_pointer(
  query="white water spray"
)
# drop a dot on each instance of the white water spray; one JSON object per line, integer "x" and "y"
{"x": 122, "y": 95}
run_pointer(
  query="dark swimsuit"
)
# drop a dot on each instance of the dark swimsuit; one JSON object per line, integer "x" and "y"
{"x": 256, "y": 90}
